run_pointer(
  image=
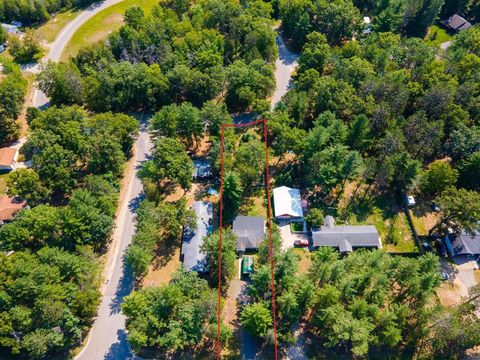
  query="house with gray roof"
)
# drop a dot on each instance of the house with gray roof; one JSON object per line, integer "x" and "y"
{"x": 464, "y": 244}
{"x": 192, "y": 257}
{"x": 250, "y": 231}
{"x": 457, "y": 23}
{"x": 346, "y": 238}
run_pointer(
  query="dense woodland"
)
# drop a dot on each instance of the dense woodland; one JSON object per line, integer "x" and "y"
{"x": 383, "y": 111}
{"x": 38, "y": 11}
{"x": 49, "y": 281}
{"x": 12, "y": 91}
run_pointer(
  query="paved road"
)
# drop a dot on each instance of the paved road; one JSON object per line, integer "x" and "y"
{"x": 284, "y": 67}
{"x": 64, "y": 37}
{"x": 107, "y": 339}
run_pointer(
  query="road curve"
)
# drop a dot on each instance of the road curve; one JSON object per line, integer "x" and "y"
{"x": 62, "y": 39}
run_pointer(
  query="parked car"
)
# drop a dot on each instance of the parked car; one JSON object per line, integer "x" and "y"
{"x": 444, "y": 275}
{"x": 301, "y": 243}
{"x": 410, "y": 200}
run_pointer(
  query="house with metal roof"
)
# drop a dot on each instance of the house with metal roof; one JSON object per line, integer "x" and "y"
{"x": 250, "y": 231}
{"x": 191, "y": 255}
{"x": 346, "y": 238}
{"x": 287, "y": 203}
{"x": 457, "y": 23}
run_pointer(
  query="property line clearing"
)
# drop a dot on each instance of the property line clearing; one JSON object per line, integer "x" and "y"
{"x": 269, "y": 211}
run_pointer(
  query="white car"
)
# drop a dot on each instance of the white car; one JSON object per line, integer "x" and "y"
{"x": 410, "y": 200}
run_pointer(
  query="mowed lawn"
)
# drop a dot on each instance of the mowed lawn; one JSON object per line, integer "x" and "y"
{"x": 49, "y": 31}
{"x": 101, "y": 25}
{"x": 436, "y": 36}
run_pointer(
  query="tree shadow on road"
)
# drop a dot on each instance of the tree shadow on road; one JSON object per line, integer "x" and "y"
{"x": 125, "y": 286}
{"x": 119, "y": 350}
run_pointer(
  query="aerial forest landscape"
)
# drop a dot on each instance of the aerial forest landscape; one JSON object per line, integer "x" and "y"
{"x": 239, "y": 179}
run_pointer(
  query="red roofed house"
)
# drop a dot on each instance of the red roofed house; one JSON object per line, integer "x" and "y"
{"x": 8, "y": 158}
{"x": 9, "y": 207}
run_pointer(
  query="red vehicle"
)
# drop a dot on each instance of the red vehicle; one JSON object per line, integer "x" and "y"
{"x": 301, "y": 242}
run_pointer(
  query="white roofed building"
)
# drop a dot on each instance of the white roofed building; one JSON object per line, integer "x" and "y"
{"x": 287, "y": 203}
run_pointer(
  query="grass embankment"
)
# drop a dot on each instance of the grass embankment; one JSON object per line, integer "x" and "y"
{"x": 49, "y": 31}
{"x": 101, "y": 25}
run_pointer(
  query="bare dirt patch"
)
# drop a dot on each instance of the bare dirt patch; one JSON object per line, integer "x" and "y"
{"x": 162, "y": 275}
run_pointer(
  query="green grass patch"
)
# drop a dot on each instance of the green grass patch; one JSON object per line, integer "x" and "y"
{"x": 49, "y": 31}
{"x": 101, "y": 25}
{"x": 3, "y": 183}
{"x": 436, "y": 36}
{"x": 254, "y": 204}
{"x": 390, "y": 221}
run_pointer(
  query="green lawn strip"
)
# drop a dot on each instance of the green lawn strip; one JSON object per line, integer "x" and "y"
{"x": 101, "y": 25}
{"x": 49, "y": 31}
{"x": 3, "y": 183}
{"x": 436, "y": 36}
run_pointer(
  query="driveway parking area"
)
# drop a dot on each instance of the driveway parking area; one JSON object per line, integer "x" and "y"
{"x": 288, "y": 238}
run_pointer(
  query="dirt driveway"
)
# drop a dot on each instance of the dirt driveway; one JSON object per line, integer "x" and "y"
{"x": 462, "y": 278}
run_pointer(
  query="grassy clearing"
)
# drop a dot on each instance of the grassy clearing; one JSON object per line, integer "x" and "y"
{"x": 101, "y": 25}
{"x": 390, "y": 221}
{"x": 254, "y": 204}
{"x": 305, "y": 260}
{"x": 49, "y": 31}
{"x": 3, "y": 183}
{"x": 436, "y": 36}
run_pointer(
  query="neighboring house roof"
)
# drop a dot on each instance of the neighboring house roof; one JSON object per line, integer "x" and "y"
{"x": 7, "y": 156}
{"x": 287, "y": 202}
{"x": 193, "y": 258}
{"x": 466, "y": 244}
{"x": 458, "y": 23}
{"x": 250, "y": 231}
{"x": 9, "y": 207}
{"x": 345, "y": 238}
{"x": 11, "y": 29}
{"x": 201, "y": 168}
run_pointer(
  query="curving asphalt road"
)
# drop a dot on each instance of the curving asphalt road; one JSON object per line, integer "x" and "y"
{"x": 64, "y": 37}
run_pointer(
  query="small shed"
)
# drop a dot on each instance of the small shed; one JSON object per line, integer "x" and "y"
{"x": 457, "y": 23}
{"x": 287, "y": 203}
{"x": 247, "y": 265}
